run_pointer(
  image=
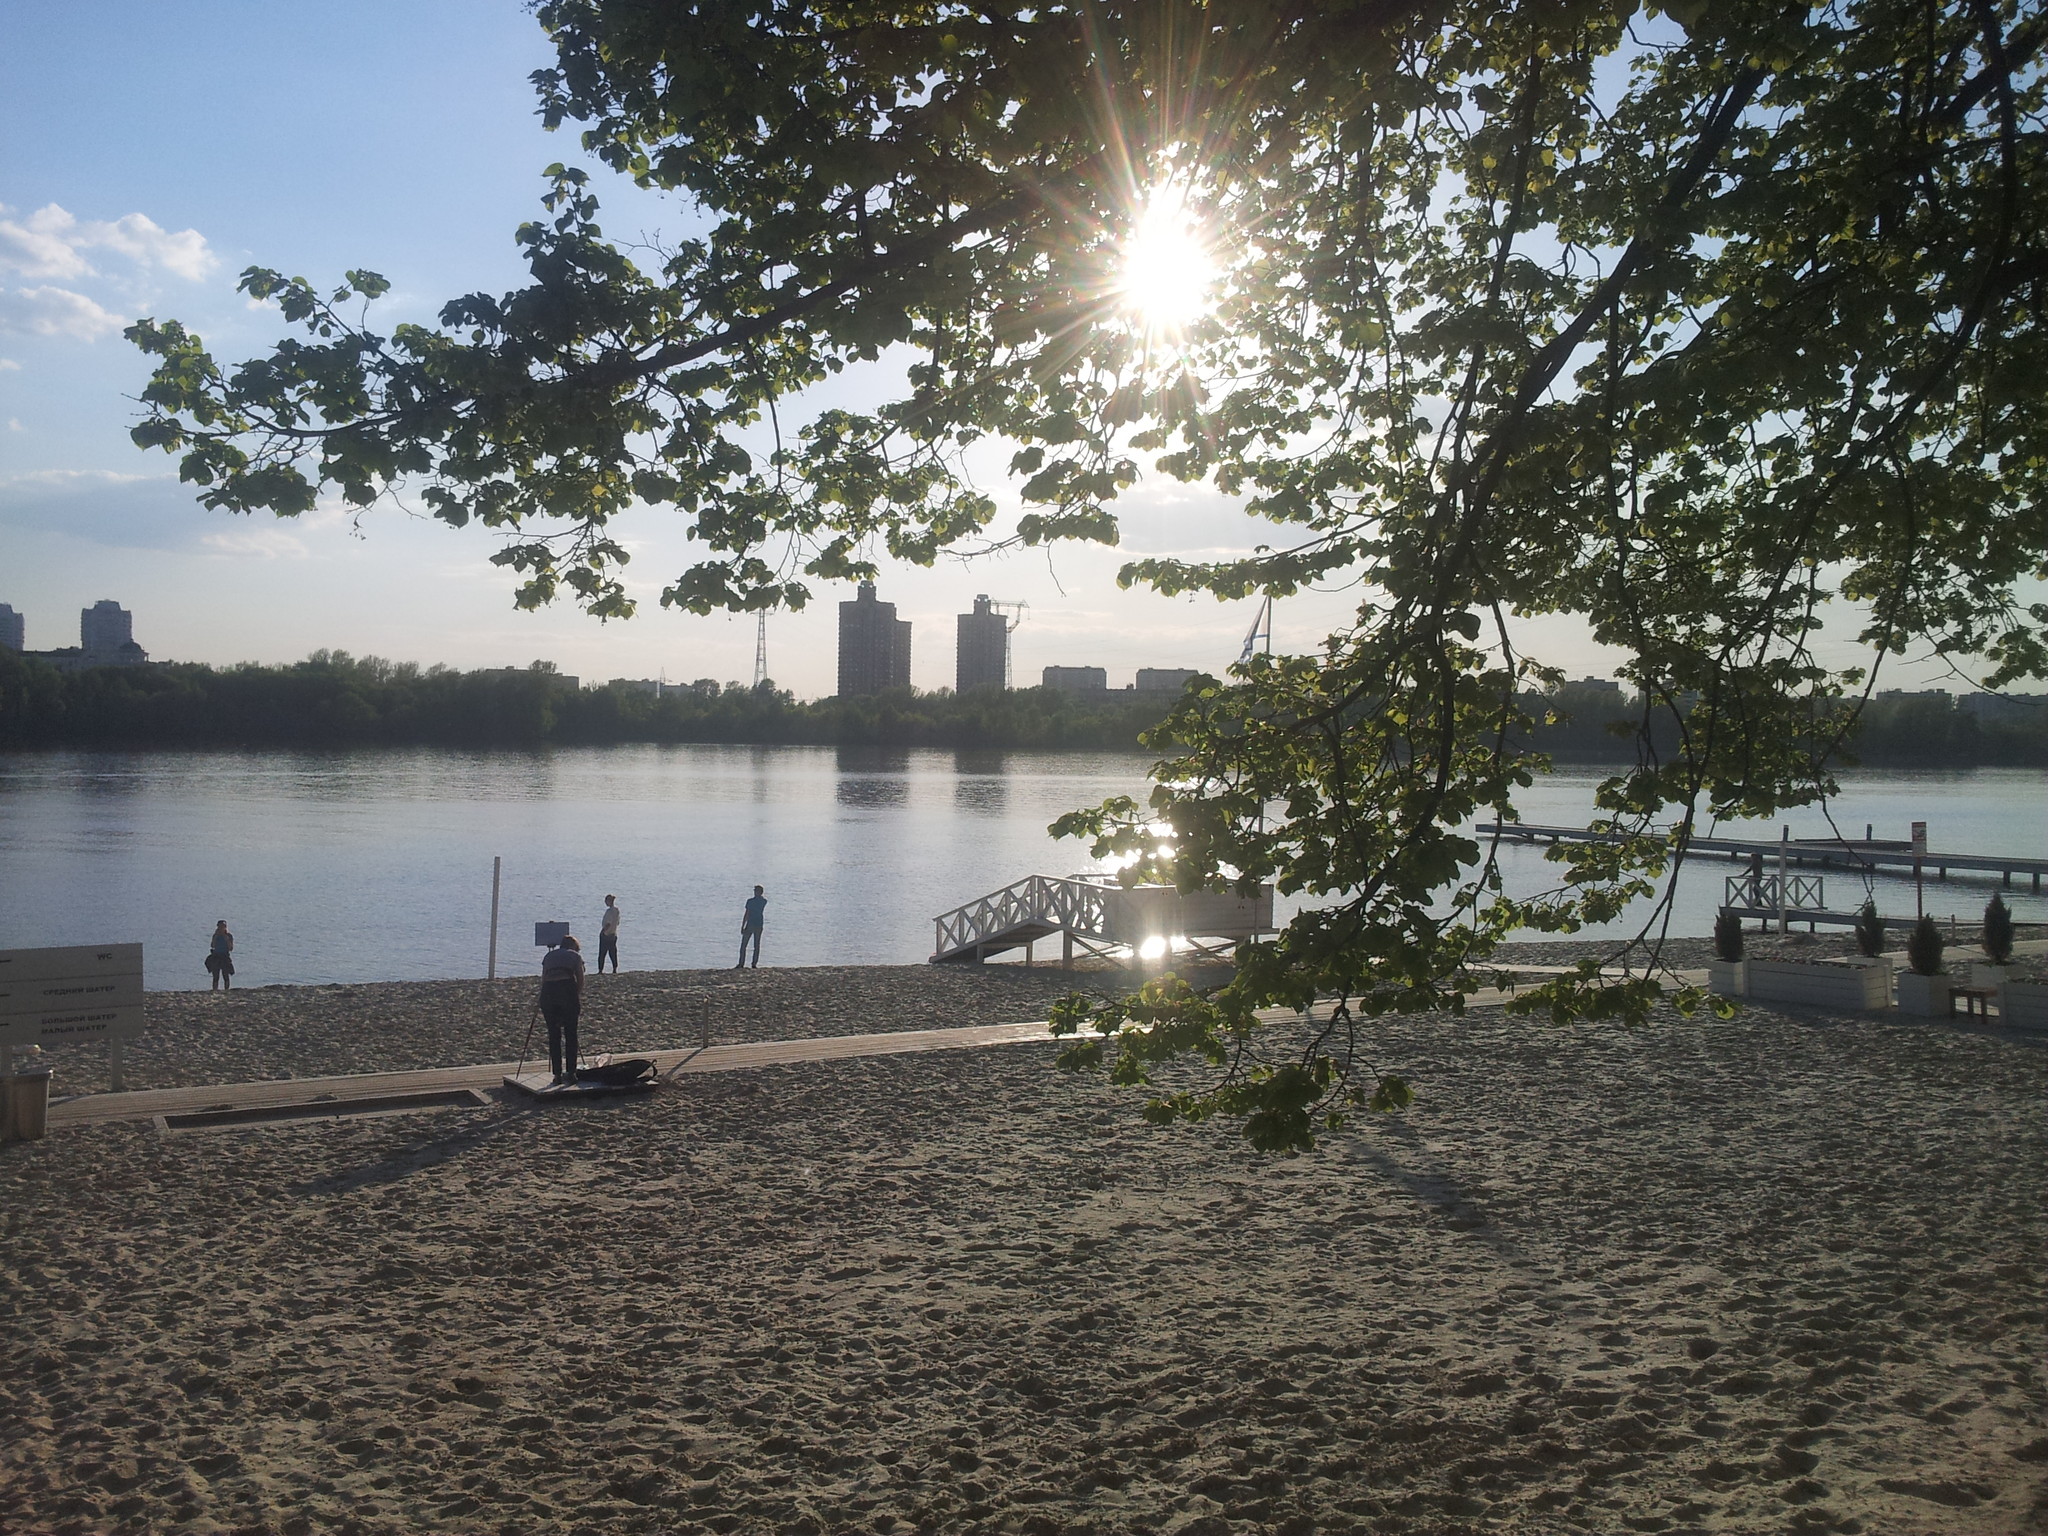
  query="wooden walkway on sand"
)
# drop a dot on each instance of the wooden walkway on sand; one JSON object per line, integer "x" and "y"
{"x": 148, "y": 1103}
{"x": 352, "y": 1090}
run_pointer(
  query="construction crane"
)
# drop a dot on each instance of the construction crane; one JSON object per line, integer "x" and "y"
{"x": 1260, "y": 634}
{"x": 1014, "y": 614}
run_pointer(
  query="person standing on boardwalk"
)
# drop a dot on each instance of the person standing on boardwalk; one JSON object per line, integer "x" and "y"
{"x": 752, "y": 921}
{"x": 561, "y": 1004}
{"x": 608, "y": 935}
{"x": 220, "y": 958}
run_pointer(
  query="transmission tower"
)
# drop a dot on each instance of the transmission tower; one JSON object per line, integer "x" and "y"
{"x": 761, "y": 649}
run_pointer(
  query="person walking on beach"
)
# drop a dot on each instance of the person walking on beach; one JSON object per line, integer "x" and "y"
{"x": 608, "y": 935}
{"x": 752, "y": 922}
{"x": 561, "y": 1004}
{"x": 220, "y": 958}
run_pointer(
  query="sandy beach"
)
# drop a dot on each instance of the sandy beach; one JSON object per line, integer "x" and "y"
{"x": 1779, "y": 1274}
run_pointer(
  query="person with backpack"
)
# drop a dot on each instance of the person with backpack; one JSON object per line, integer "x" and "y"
{"x": 220, "y": 958}
{"x": 561, "y": 1004}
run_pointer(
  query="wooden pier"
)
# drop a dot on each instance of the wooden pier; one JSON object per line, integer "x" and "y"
{"x": 1863, "y": 854}
{"x": 1099, "y": 917}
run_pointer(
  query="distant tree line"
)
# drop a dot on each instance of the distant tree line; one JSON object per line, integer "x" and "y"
{"x": 1597, "y": 722}
{"x": 335, "y": 700}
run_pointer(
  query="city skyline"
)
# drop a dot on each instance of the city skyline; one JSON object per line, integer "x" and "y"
{"x": 106, "y": 638}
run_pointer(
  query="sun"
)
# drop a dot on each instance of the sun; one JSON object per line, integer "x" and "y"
{"x": 1168, "y": 272}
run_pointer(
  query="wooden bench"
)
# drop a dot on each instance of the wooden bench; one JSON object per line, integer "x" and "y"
{"x": 1976, "y": 1001}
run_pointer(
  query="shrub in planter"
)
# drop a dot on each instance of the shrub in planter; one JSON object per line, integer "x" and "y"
{"x": 1924, "y": 947}
{"x": 1998, "y": 931}
{"x": 1728, "y": 935}
{"x": 1869, "y": 928}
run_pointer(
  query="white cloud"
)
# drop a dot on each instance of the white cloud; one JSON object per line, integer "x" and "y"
{"x": 50, "y": 243}
{"x": 259, "y": 543}
{"x": 48, "y": 311}
{"x": 9, "y": 365}
{"x": 73, "y": 479}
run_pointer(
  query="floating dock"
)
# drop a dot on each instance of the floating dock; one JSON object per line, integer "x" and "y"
{"x": 1864, "y": 854}
{"x": 1099, "y": 917}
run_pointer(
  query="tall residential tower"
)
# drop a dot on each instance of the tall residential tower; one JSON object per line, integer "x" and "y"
{"x": 874, "y": 646}
{"x": 983, "y": 657}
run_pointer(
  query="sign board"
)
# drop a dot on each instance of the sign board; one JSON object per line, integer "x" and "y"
{"x": 1919, "y": 837}
{"x": 88, "y": 992}
{"x": 548, "y": 935}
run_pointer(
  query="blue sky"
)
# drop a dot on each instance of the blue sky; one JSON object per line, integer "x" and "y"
{"x": 150, "y": 151}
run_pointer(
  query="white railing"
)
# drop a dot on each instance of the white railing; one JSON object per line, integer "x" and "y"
{"x": 1045, "y": 901}
{"x": 1763, "y": 893}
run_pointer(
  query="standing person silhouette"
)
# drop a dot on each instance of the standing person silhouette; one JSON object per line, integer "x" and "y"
{"x": 561, "y": 1004}
{"x": 752, "y": 922}
{"x": 608, "y": 935}
{"x": 220, "y": 958}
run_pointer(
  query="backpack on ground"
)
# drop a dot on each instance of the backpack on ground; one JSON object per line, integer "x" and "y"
{"x": 617, "y": 1074}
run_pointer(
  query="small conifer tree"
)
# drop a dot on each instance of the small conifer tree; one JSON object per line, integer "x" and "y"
{"x": 1728, "y": 935}
{"x": 1869, "y": 928}
{"x": 1998, "y": 930}
{"x": 1923, "y": 949}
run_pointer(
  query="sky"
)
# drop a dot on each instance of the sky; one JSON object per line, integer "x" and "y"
{"x": 151, "y": 150}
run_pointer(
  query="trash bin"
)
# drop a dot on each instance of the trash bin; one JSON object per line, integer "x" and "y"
{"x": 26, "y": 1114}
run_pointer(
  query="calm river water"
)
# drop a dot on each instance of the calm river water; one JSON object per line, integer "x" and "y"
{"x": 378, "y": 865}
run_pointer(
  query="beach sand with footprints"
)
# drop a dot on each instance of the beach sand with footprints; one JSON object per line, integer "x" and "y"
{"x": 1779, "y": 1274}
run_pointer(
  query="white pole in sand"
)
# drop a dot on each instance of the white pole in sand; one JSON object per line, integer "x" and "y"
{"x": 1784, "y": 843}
{"x": 497, "y": 865}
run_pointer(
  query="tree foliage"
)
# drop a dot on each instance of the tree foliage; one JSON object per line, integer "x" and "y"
{"x": 1683, "y": 322}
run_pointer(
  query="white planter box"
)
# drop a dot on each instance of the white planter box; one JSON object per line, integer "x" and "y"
{"x": 1984, "y": 974}
{"x": 2023, "y": 1004}
{"x": 1821, "y": 983}
{"x": 1925, "y": 996}
{"x": 1159, "y": 911}
{"x": 1728, "y": 978}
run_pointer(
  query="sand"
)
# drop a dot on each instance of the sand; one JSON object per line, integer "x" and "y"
{"x": 1780, "y": 1274}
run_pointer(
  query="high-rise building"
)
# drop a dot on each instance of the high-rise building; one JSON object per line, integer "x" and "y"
{"x": 1077, "y": 679}
{"x": 106, "y": 637}
{"x": 13, "y": 632}
{"x": 1163, "y": 679}
{"x": 104, "y": 628}
{"x": 874, "y": 646}
{"x": 983, "y": 657}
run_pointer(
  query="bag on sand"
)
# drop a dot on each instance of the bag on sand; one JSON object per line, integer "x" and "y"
{"x": 617, "y": 1074}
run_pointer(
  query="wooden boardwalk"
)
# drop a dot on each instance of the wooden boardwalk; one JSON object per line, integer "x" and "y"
{"x": 148, "y": 1103}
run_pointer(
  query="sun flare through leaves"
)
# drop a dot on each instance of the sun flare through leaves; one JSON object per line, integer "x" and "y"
{"x": 1168, "y": 272}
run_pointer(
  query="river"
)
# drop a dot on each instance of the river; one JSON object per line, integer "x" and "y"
{"x": 360, "y": 866}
